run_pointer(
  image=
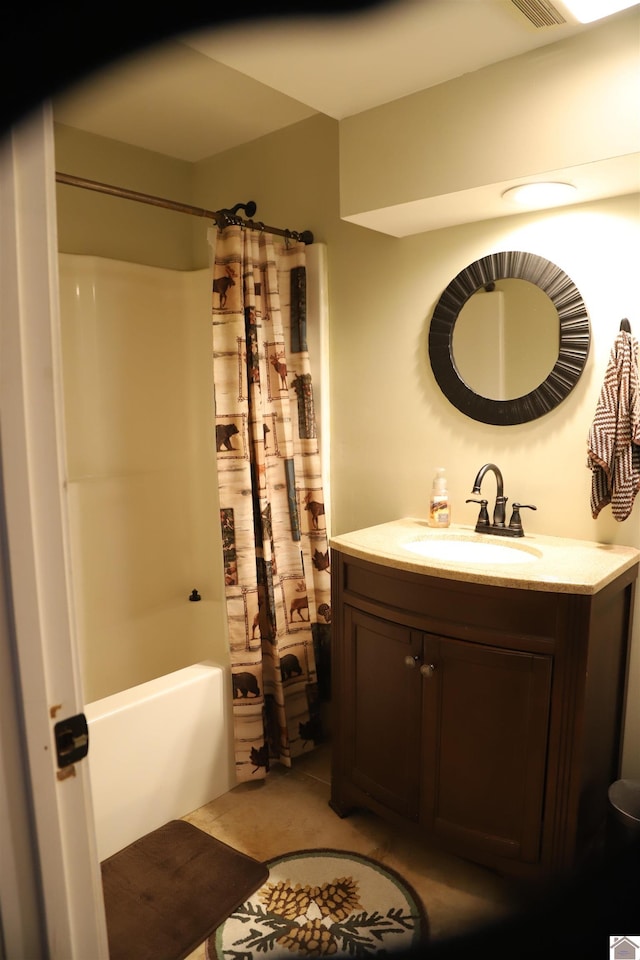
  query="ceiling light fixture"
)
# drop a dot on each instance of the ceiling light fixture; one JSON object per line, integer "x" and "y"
{"x": 586, "y": 11}
{"x": 541, "y": 194}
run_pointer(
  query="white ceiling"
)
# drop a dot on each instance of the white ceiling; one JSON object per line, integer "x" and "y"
{"x": 199, "y": 95}
{"x": 204, "y": 93}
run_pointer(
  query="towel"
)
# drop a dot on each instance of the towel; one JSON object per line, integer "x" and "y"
{"x": 613, "y": 451}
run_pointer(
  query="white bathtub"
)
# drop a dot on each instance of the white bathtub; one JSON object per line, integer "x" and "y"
{"x": 157, "y": 751}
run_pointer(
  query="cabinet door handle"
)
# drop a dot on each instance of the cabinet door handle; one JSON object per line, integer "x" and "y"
{"x": 428, "y": 669}
{"x": 410, "y": 661}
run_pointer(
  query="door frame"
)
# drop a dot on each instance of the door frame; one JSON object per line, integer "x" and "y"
{"x": 63, "y": 875}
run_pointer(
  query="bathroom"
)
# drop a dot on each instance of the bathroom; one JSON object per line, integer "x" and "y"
{"x": 390, "y": 426}
{"x": 380, "y": 459}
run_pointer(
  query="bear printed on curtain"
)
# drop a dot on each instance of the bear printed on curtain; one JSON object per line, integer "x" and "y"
{"x": 275, "y": 552}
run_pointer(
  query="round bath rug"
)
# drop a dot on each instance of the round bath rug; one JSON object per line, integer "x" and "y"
{"x": 318, "y": 903}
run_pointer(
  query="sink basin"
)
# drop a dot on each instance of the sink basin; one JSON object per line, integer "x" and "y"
{"x": 470, "y": 551}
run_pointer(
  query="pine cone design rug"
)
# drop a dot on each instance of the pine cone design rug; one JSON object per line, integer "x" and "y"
{"x": 320, "y": 903}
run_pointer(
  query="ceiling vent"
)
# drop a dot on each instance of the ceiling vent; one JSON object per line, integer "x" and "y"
{"x": 541, "y": 13}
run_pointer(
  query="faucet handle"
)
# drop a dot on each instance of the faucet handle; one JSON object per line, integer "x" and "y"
{"x": 516, "y": 523}
{"x": 483, "y": 516}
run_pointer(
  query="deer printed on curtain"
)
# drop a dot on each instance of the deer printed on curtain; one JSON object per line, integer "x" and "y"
{"x": 271, "y": 501}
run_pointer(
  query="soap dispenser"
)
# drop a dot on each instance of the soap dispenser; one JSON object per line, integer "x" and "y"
{"x": 439, "y": 509}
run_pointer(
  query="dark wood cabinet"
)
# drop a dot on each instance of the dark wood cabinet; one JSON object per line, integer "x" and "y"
{"x": 382, "y": 755}
{"x": 485, "y": 727}
{"x": 488, "y": 716}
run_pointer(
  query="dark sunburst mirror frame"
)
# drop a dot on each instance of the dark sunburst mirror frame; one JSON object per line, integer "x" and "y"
{"x": 573, "y": 345}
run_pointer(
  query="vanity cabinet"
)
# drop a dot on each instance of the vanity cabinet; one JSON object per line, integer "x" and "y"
{"x": 488, "y": 716}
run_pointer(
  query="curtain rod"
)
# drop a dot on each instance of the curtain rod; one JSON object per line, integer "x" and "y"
{"x": 222, "y": 218}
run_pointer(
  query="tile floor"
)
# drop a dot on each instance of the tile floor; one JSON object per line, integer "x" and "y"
{"x": 458, "y": 896}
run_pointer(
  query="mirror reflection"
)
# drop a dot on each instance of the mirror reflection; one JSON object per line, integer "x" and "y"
{"x": 506, "y": 339}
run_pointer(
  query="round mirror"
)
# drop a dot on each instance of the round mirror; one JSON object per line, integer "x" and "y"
{"x": 509, "y": 338}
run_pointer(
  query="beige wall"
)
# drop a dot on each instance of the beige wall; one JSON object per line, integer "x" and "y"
{"x": 292, "y": 175}
{"x": 105, "y": 226}
{"x": 400, "y": 426}
{"x": 390, "y": 425}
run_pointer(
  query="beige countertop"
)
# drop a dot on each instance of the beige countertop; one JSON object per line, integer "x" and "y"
{"x": 552, "y": 564}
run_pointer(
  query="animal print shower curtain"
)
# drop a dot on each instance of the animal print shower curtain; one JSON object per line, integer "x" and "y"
{"x": 276, "y": 558}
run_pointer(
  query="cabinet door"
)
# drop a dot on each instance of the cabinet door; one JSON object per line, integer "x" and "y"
{"x": 381, "y": 744}
{"x": 485, "y": 728}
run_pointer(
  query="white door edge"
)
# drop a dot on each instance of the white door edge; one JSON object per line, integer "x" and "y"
{"x": 49, "y": 685}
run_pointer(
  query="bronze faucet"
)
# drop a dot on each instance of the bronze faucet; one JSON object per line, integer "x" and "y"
{"x": 498, "y": 526}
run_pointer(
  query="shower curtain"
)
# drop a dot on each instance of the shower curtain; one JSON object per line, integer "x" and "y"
{"x": 276, "y": 557}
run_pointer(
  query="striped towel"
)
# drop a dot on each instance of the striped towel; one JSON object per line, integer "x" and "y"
{"x": 613, "y": 451}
